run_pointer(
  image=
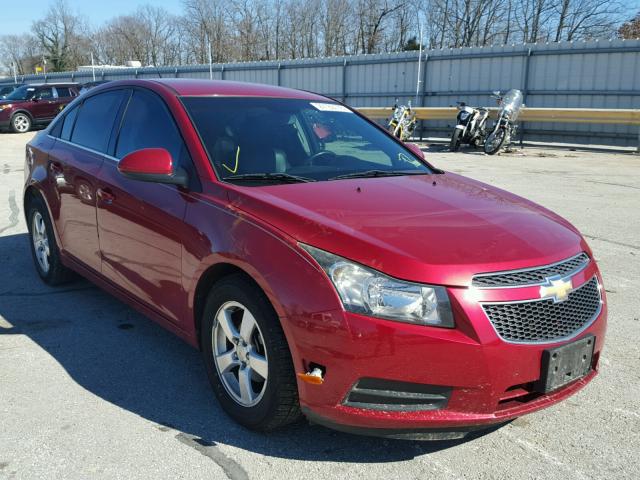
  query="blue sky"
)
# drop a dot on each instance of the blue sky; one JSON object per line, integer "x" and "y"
{"x": 16, "y": 19}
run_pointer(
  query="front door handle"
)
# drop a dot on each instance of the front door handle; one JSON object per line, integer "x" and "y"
{"x": 105, "y": 196}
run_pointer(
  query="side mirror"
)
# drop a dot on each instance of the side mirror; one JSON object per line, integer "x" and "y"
{"x": 152, "y": 165}
{"x": 35, "y": 99}
{"x": 415, "y": 149}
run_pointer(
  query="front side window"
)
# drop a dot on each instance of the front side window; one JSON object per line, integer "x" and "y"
{"x": 280, "y": 139}
{"x": 95, "y": 120}
{"x": 148, "y": 124}
{"x": 24, "y": 92}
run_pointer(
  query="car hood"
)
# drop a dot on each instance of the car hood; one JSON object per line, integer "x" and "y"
{"x": 429, "y": 228}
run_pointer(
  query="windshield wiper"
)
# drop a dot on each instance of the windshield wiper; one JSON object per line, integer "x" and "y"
{"x": 268, "y": 177}
{"x": 378, "y": 173}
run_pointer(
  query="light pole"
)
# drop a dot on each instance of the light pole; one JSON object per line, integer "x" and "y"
{"x": 93, "y": 68}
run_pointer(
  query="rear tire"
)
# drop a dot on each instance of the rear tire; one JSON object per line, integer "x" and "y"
{"x": 495, "y": 141}
{"x": 20, "y": 123}
{"x": 454, "y": 145}
{"x": 44, "y": 249}
{"x": 272, "y": 402}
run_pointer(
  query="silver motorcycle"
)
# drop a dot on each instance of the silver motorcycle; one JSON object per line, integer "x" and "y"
{"x": 504, "y": 128}
{"x": 470, "y": 126}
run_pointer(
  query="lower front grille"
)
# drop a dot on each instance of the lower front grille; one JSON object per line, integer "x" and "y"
{"x": 544, "y": 320}
{"x": 378, "y": 394}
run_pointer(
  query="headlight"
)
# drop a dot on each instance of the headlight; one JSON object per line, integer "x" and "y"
{"x": 366, "y": 291}
{"x": 2, "y": 107}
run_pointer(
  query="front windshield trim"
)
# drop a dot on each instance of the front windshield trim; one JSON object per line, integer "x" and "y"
{"x": 302, "y": 114}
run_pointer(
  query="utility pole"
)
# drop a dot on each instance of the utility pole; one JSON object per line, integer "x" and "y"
{"x": 15, "y": 72}
{"x": 44, "y": 65}
{"x": 210, "y": 58}
{"x": 419, "y": 64}
{"x": 93, "y": 68}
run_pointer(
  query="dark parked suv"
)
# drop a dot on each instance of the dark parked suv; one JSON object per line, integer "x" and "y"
{"x": 35, "y": 104}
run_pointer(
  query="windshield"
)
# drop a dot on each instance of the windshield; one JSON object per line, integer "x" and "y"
{"x": 22, "y": 93}
{"x": 512, "y": 103}
{"x": 288, "y": 140}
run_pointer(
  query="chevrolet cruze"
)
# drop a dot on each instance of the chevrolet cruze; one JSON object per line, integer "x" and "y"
{"x": 321, "y": 266}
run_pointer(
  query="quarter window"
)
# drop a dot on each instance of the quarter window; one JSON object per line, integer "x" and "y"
{"x": 95, "y": 120}
{"x": 67, "y": 125}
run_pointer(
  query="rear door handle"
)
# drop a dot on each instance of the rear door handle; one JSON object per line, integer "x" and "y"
{"x": 105, "y": 196}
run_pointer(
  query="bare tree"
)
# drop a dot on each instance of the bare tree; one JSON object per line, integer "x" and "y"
{"x": 62, "y": 37}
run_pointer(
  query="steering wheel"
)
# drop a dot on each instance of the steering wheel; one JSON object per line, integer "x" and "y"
{"x": 323, "y": 153}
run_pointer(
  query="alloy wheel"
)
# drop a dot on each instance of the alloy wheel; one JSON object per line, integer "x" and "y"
{"x": 21, "y": 123}
{"x": 239, "y": 354}
{"x": 40, "y": 241}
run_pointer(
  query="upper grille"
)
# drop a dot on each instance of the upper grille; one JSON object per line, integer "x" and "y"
{"x": 544, "y": 320}
{"x": 530, "y": 276}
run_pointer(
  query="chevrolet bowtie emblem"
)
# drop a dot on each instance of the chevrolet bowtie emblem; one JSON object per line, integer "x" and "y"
{"x": 556, "y": 288}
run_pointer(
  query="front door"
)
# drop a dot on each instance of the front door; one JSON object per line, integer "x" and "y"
{"x": 45, "y": 105}
{"x": 140, "y": 224}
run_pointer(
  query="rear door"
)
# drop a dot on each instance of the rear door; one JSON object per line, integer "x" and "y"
{"x": 140, "y": 224}
{"x": 64, "y": 95}
{"x": 74, "y": 163}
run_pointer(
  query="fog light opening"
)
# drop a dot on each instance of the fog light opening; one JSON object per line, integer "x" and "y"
{"x": 314, "y": 374}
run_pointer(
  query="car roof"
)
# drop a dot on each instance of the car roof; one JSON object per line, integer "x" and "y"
{"x": 203, "y": 87}
{"x": 52, "y": 84}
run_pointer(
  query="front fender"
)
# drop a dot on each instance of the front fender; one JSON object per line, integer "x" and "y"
{"x": 294, "y": 284}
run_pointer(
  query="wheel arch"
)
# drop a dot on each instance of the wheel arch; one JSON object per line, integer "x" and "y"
{"x": 22, "y": 110}
{"x": 212, "y": 275}
{"x": 32, "y": 192}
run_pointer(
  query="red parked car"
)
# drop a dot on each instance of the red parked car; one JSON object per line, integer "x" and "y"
{"x": 322, "y": 266}
{"x": 34, "y": 104}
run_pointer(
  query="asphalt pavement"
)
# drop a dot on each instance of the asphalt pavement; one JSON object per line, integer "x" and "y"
{"x": 90, "y": 389}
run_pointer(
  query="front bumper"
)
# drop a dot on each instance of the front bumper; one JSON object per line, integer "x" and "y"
{"x": 491, "y": 381}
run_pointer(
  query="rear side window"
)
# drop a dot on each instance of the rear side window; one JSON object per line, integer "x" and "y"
{"x": 44, "y": 93}
{"x": 95, "y": 120}
{"x": 64, "y": 92}
{"x": 67, "y": 125}
{"x": 148, "y": 124}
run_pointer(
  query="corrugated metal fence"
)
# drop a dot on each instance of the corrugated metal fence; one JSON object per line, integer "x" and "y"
{"x": 580, "y": 75}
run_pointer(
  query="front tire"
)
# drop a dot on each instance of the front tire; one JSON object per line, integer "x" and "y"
{"x": 20, "y": 123}
{"x": 247, "y": 357}
{"x": 454, "y": 145}
{"x": 45, "y": 252}
{"x": 495, "y": 141}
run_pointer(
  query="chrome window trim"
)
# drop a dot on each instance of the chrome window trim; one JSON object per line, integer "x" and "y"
{"x": 530, "y": 269}
{"x": 91, "y": 150}
{"x": 573, "y": 335}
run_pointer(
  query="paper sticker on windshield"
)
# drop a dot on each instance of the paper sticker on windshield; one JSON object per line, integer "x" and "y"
{"x": 331, "y": 107}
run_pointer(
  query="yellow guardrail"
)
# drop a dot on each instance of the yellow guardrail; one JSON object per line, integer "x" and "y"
{"x": 528, "y": 114}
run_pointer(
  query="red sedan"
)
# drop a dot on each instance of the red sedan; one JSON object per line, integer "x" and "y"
{"x": 321, "y": 266}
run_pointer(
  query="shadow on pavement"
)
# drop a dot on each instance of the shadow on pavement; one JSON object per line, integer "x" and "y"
{"x": 129, "y": 361}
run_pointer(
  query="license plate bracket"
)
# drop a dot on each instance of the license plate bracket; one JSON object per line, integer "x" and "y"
{"x": 562, "y": 365}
